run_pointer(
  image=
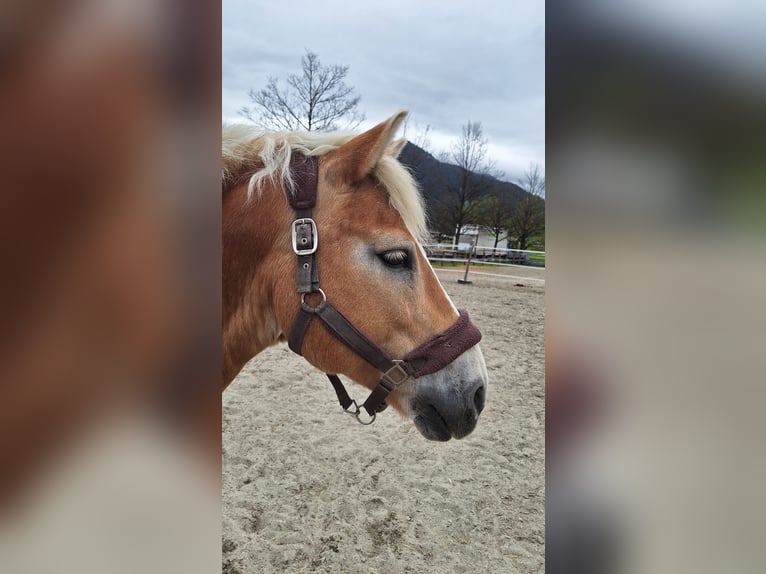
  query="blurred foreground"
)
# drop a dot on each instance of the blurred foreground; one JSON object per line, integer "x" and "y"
{"x": 656, "y": 291}
{"x": 109, "y": 368}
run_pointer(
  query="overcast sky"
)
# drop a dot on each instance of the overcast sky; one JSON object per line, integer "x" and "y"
{"x": 447, "y": 62}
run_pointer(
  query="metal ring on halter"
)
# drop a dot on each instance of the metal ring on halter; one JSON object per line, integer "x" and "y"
{"x": 356, "y": 413}
{"x": 308, "y": 307}
{"x": 361, "y": 422}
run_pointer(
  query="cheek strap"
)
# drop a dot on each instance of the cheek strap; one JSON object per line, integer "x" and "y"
{"x": 430, "y": 357}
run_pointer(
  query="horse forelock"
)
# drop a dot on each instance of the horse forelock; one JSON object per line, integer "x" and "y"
{"x": 404, "y": 195}
{"x": 259, "y": 156}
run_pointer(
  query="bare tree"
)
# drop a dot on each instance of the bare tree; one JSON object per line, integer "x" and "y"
{"x": 314, "y": 100}
{"x": 420, "y": 136}
{"x": 469, "y": 153}
{"x": 493, "y": 212}
{"x": 528, "y": 219}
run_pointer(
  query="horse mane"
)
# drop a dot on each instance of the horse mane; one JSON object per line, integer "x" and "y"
{"x": 257, "y": 155}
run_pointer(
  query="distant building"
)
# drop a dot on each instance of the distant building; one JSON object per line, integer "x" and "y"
{"x": 480, "y": 237}
{"x": 477, "y": 235}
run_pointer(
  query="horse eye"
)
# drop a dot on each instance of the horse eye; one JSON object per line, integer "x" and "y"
{"x": 396, "y": 259}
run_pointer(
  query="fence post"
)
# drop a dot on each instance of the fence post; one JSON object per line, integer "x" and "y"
{"x": 471, "y": 250}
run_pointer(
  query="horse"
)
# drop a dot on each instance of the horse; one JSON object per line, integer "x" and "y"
{"x": 321, "y": 239}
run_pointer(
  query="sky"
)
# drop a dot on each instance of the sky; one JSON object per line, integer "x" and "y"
{"x": 446, "y": 62}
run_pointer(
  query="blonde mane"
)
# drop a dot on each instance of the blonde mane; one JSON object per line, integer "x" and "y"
{"x": 248, "y": 152}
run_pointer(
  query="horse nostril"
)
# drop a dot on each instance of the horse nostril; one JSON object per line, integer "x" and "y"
{"x": 478, "y": 399}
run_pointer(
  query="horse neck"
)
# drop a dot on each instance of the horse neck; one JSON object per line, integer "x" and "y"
{"x": 254, "y": 236}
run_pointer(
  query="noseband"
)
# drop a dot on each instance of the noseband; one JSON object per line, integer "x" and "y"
{"x": 430, "y": 357}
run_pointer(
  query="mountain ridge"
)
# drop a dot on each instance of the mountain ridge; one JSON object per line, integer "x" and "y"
{"x": 434, "y": 175}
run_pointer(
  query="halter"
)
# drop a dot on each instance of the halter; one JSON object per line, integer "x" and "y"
{"x": 430, "y": 357}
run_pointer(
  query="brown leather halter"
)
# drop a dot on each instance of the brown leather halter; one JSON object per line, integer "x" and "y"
{"x": 430, "y": 357}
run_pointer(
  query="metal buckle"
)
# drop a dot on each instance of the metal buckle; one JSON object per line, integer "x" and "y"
{"x": 397, "y": 375}
{"x": 314, "y": 233}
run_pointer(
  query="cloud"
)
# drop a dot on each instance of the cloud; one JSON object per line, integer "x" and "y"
{"x": 447, "y": 64}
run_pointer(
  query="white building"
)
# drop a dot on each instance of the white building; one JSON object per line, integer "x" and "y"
{"x": 479, "y": 236}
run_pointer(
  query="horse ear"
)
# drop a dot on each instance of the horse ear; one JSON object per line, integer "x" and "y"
{"x": 395, "y": 148}
{"x": 358, "y": 157}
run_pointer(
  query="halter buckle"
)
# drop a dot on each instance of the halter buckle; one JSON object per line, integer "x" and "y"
{"x": 303, "y": 249}
{"x": 397, "y": 375}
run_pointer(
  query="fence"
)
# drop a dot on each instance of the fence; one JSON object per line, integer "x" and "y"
{"x": 485, "y": 255}
{"x": 525, "y": 267}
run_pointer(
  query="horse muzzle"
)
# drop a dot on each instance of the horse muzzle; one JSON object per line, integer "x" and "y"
{"x": 447, "y": 403}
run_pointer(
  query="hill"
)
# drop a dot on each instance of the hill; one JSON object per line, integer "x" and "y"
{"x": 433, "y": 176}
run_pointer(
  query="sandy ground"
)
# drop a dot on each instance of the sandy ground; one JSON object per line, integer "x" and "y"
{"x": 306, "y": 489}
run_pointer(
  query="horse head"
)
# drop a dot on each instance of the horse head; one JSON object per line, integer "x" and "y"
{"x": 369, "y": 222}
